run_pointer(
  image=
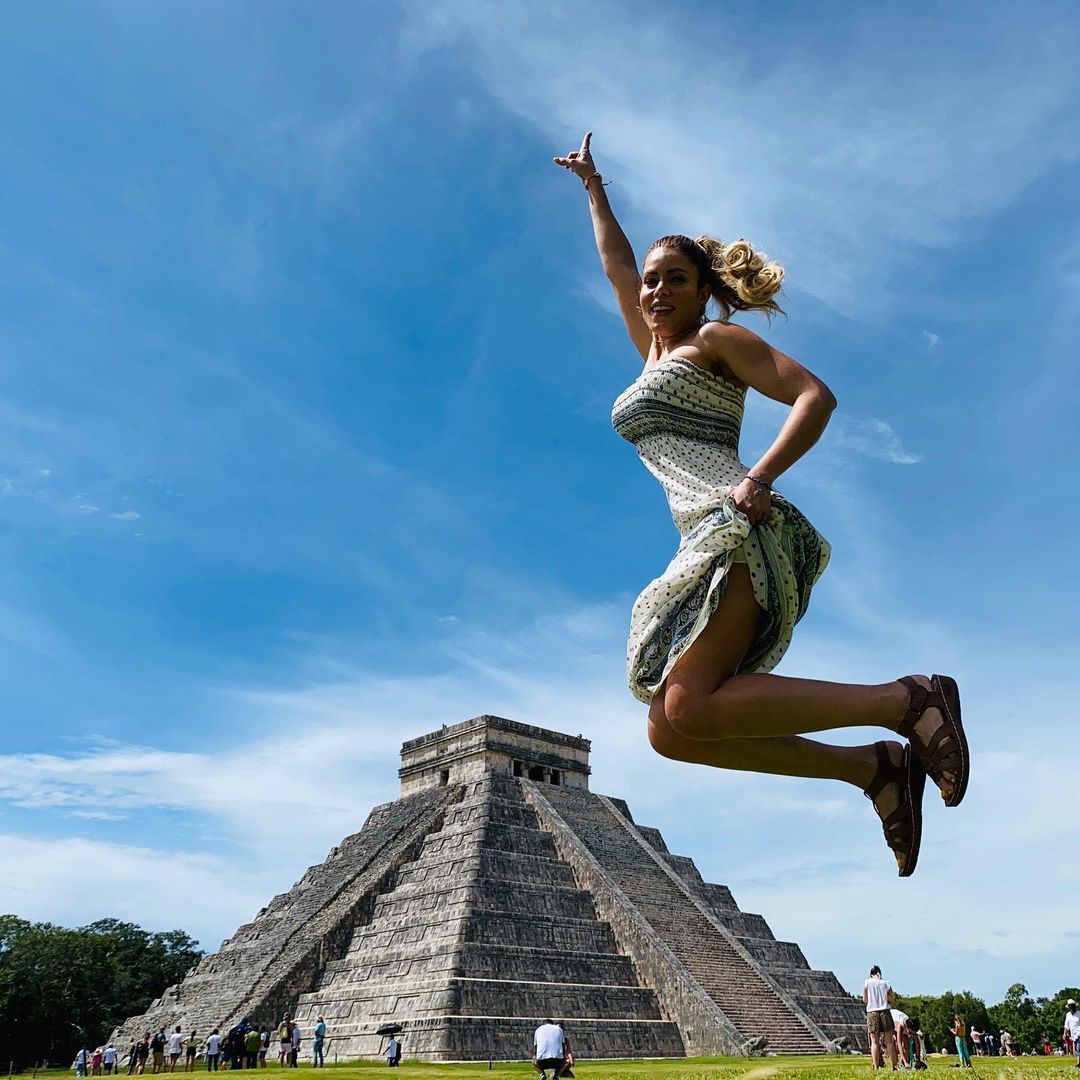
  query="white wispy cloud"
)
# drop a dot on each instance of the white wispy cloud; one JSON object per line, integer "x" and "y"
{"x": 871, "y": 438}
{"x": 849, "y": 162}
{"x": 72, "y": 880}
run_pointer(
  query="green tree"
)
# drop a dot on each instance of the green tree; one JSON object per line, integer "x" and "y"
{"x": 60, "y": 988}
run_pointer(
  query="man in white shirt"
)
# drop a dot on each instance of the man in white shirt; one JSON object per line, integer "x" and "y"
{"x": 548, "y": 1049}
{"x": 1072, "y": 1027}
{"x": 109, "y": 1061}
{"x": 176, "y": 1048}
{"x": 878, "y": 995}
{"x": 213, "y": 1051}
{"x": 82, "y": 1060}
{"x": 294, "y": 1057}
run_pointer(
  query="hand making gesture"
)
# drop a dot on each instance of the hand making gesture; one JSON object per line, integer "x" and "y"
{"x": 580, "y": 162}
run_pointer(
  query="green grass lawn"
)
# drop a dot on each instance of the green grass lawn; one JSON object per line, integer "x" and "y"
{"x": 778, "y": 1068}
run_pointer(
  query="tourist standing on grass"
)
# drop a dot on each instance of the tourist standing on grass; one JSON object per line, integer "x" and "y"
{"x": 192, "y": 1051}
{"x": 295, "y": 1037}
{"x": 82, "y": 1061}
{"x": 318, "y": 1061}
{"x": 959, "y": 1030}
{"x": 112, "y": 1056}
{"x": 264, "y": 1045}
{"x": 706, "y": 633}
{"x": 157, "y": 1048}
{"x": 213, "y": 1050}
{"x": 142, "y": 1052}
{"x": 176, "y": 1048}
{"x": 878, "y": 995}
{"x": 393, "y": 1052}
{"x": 1072, "y": 1027}
{"x": 251, "y": 1048}
{"x": 284, "y": 1033}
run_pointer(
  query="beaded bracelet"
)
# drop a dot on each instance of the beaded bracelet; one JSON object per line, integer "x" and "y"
{"x": 760, "y": 483}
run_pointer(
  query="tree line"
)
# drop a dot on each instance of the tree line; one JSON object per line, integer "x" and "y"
{"x": 1026, "y": 1018}
{"x": 61, "y": 989}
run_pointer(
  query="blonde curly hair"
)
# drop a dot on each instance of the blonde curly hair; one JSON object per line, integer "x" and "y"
{"x": 741, "y": 279}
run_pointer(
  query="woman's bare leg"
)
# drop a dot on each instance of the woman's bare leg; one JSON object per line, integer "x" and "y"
{"x": 705, "y": 700}
{"x": 785, "y": 755}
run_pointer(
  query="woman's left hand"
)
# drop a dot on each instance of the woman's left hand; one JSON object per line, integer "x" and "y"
{"x": 753, "y": 500}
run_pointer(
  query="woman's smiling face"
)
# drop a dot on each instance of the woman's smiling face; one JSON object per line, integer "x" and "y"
{"x": 671, "y": 299}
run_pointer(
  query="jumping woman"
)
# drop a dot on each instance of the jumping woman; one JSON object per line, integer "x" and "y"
{"x": 706, "y": 633}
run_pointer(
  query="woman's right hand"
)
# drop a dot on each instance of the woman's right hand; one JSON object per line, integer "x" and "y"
{"x": 580, "y": 161}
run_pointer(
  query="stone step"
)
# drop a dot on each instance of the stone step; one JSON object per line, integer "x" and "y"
{"x": 489, "y": 863}
{"x": 487, "y": 894}
{"x": 823, "y": 984}
{"x": 487, "y": 927}
{"x": 540, "y": 932}
{"x": 514, "y": 838}
{"x": 743, "y": 924}
{"x": 479, "y": 961}
{"x": 486, "y": 960}
{"x": 498, "y": 811}
{"x": 502, "y": 1038}
{"x": 775, "y": 954}
{"x": 485, "y": 997}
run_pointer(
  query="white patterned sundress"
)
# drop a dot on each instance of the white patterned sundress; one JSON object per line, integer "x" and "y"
{"x": 685, "y": 423}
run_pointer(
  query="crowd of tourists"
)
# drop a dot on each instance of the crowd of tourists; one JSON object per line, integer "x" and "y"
{"x": 243, "y": 1046}
{"x": 899, "y": 1037}
{"x": 893, "y": 1034}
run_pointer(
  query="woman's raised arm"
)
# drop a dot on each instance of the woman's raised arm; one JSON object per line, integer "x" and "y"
{"x": 616, "y": 254}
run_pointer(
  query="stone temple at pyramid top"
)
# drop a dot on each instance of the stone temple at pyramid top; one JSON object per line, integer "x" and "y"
{"x": 463, "y": 753}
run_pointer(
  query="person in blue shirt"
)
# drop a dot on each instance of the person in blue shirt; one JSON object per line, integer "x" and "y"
{"x": 317, "y": 1059}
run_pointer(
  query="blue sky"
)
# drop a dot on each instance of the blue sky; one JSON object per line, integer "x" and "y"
{"x": 306, "y": 366}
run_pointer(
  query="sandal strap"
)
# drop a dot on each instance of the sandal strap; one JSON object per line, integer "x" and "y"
{"x": 898, "y": 827}
{"x": 887, "y": 773}
{"x": 919, "y": 700}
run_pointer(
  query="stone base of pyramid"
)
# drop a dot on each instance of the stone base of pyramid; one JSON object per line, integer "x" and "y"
{"x": 499, "y": 891}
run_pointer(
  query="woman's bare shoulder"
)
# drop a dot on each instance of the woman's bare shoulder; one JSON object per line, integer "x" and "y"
{"x": 717, "y": 335}
{"x": 720, "y": 342}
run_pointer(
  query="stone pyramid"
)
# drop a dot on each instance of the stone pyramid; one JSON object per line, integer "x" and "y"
{"x": 497, "y": 890}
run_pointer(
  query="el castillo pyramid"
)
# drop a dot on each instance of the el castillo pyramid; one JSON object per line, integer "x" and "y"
{"x": 495, "y": 891}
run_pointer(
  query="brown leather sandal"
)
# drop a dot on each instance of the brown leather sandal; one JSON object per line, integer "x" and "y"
{"x": 947, "y": 750}
{"x": 903, "y": 827}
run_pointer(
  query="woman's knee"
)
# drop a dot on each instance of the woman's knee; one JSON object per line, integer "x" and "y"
{"x": 694, "y": 715}
{"x": 666, "y": 742}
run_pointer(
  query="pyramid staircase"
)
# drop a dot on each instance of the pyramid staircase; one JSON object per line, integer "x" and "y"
{"x": 764, "y": 987}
